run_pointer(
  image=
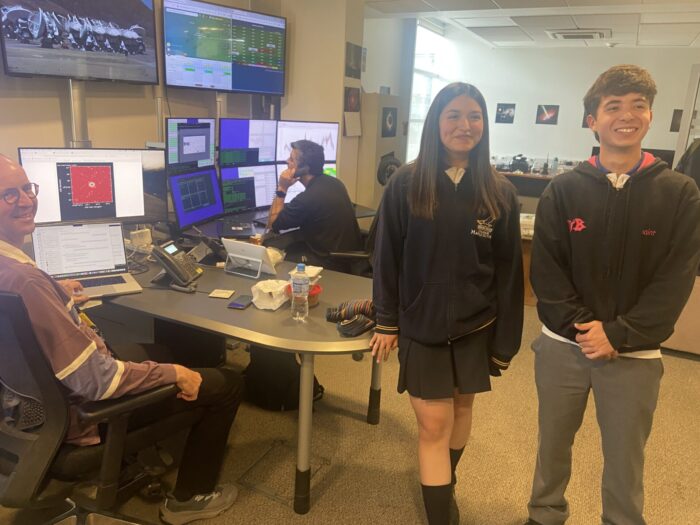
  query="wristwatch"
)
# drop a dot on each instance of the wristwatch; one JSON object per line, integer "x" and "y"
{"x": 280, "y": 194}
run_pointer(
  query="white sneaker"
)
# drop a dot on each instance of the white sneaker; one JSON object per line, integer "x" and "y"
{"x": 199, "y": 507}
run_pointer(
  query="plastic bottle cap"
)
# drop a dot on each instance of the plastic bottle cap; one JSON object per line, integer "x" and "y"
{"x": 301, "y": 267}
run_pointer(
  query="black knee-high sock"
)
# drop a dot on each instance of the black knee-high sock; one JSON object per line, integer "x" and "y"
{"x": 436, "y": 499}
{"x": 455, "y": 456}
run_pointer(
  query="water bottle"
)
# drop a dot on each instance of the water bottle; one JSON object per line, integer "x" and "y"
{"x": 300, "y": 293}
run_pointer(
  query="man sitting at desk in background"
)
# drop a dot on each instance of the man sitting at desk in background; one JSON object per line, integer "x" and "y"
{"x": 323, "y": 213}
{"x": 86, "y": 367}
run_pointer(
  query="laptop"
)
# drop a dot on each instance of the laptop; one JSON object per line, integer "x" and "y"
{"x": 249, "y": 260}
{"x": 91, "y": 253}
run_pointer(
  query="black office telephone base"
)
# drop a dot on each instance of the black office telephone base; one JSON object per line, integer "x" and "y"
{"x": 164, "y": 279}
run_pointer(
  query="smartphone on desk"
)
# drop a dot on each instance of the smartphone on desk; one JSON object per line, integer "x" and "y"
{"x": 241, "y": 302}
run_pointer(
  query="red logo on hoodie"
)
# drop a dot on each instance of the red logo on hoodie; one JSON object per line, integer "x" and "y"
{"x": 576, "y": 225}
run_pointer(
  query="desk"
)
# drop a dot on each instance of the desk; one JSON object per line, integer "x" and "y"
{"x": 275, "y": 330}
{"x": 362, "y": 212}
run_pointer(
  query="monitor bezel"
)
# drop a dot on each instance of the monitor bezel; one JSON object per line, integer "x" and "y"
{"x": 157, "y": 56}
{"x": 262, "y": 93}
{"x": 124, "y": 220}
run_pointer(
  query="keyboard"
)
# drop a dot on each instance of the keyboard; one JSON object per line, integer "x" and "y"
{"x": 101, "y": 281}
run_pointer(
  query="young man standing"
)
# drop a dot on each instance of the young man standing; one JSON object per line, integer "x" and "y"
{"x": 614, "y": 258}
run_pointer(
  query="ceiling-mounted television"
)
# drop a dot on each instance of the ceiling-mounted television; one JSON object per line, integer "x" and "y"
{"x": 80, "y": 39}
{"x": 211, "y": 46}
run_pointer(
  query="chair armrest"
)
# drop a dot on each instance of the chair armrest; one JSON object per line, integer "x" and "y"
{"x": 350, "y": 255}
{"x": 97, "y": 411}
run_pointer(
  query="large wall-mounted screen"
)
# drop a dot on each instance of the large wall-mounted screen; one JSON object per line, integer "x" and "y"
{"x": 81, "y": 39}
{"x": 216, "y": 47}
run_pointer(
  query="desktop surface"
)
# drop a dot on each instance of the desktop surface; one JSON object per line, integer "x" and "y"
{"x": 273, "y": 329}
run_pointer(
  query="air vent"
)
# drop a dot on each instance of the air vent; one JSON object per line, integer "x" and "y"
{"x": 579, "y": 34}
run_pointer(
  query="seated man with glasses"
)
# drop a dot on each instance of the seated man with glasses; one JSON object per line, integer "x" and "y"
{"x": 85, "y": 365}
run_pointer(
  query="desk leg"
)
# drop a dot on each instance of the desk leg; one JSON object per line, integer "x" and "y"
{"x": 375, "y": 393}
{"x": 302, "y": 482}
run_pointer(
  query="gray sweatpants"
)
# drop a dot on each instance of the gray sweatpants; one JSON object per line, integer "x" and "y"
{"x": 625, "y": 391}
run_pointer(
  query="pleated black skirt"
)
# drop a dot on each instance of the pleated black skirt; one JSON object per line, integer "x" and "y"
{"x": 435, "y": 371}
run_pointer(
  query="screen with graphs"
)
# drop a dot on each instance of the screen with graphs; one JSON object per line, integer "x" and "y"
{"x": 215, "y": 47}
{"x": 323, "y": 133}
{"x": 196, "y": 196}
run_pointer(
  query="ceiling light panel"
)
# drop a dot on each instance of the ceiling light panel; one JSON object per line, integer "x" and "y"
{"x": 527, "y": 4}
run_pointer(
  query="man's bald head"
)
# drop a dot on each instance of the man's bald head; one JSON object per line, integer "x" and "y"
{"x": 18, "y": 204}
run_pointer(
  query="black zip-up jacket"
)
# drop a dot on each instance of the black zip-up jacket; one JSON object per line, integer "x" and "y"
{"x": 625, "y": 257}
{"x": 437, "y": 280}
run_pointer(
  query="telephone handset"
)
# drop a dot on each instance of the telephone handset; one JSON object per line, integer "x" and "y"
{"x": 177, "y": 264}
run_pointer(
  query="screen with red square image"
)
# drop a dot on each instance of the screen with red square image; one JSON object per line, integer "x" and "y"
{"x": 91, "y": 184}
{"x": 86, "y": 191}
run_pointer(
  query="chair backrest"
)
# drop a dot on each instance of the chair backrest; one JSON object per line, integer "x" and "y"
{"x": 26, "y": 454}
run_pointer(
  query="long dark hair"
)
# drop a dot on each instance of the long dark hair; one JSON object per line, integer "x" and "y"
{"x": 429, "y": 164}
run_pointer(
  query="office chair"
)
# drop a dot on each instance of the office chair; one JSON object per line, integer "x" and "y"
{"x": 39, "y": 471}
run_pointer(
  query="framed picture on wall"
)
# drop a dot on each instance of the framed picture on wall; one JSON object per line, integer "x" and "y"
{"x": 505, "y": 113}
{"x": 389, "y": 116}
{"x": 353, "y": 60}
{"x": 547, "y": 114}
{"x": 352, "y": 99}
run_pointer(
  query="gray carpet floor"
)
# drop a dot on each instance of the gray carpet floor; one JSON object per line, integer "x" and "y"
{"x": 365, "y": 474}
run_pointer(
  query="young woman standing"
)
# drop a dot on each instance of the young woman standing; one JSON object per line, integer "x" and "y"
{"x": 448, "y": 283}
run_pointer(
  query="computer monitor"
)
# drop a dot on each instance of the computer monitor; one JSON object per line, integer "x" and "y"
{"x": 323, "y": 133}
{"x": 248, "y": 187}
{"x": 245, "y": 141}
{"x": 81, "y": 40}
{"x": 196, "y": 197}
{"x": 190, "y": 143}
{"x": 211, "y": 46}
{"x": 78, "y": 185}
{"x": 664, "y": 154}
{"x": 297, "y": 188}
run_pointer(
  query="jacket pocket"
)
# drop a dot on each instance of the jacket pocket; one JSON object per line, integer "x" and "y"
{"x": 425, "y": 319}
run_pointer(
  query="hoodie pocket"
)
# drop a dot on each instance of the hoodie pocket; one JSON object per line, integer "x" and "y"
{"x": 425, "y": 319}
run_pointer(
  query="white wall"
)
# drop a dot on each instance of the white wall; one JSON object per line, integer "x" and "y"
{"x": 529, "y": 77}
{"x": 383, "y": 39}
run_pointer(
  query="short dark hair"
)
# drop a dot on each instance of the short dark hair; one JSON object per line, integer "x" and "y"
{"x": 311, "y": 155}
{"x": 619, "y": 80}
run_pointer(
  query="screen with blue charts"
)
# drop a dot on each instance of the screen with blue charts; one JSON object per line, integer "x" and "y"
{"x": 196, "y": 197}
{"x": 246, "y": 142}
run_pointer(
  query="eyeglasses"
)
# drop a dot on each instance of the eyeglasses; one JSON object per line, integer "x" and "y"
{"x": 11, "y": 196}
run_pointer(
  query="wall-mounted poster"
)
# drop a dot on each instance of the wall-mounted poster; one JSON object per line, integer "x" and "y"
{"x": 676, "y": 120}
{"x": 505, "y": 113}
{"x": 389, "y": 116}
{"x": 547, "y": 114}
{"x": 352, "y": 99}
{"x": 353, "y": 60}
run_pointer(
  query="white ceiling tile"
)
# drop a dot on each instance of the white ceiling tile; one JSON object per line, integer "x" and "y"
{"x": 668, "y": 34}
{"x": 526, "y": 4}
{"x": 492, "y": 21}
{"x": 606, "y": 20}
{"x": 400, "y": 6}
{"x": 461, "y": 5}
{"x": 501, "y": 34}
{"x": 544, "y": 21}
{"x": 669, "y": 18}
{"x": 602, "y": 3}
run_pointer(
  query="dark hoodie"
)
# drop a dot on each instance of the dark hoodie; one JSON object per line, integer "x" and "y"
{"x": 625, "y": 257}
{"x": 438, "y": 280}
